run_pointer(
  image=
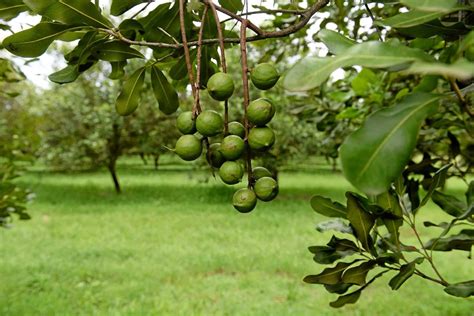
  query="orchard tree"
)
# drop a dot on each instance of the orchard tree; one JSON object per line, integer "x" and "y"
{"x": 411, "y": 92}
{"x": 13, "y": 145}
{"x": 80, "y": 130}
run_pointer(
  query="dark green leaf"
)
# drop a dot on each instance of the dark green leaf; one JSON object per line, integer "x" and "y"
{"x": 389, "y": 202}
{"x": 127, "y": 101}
{"x": 438, "y": 180}
{"x": 117, "y": 70}
{"x": 448, "y": 203}
{"x": 357, "y": 275}
{"x": 66, "y": 75}
{"x": 165, "y": 93}
{"x": 336, "y": 43}
{"x": 350, "y": 298}
{"x": 311, "y": 72}
{"x": 462, "y": 289}
{"x": 431, "y": 224}
{"x": 470, "y": 194}
{"x": 35, "y": 41}
{"x": 324, "y": 255}
{"x": 232, "y": 5}
{"x": 179, "y": 70}
{"x": 361, "y": 221}
{"x": 435, "y": 27}
{"x": 336, "y": 249}
{"x": 375, "y": 155}
{"x": 462, "y": 241}
{"x": 131, "y": 29}
{"x": 117, "y": 51}
{"x": 406, "y": 271}
{"x": 119, "y": 7}
{"x": 74, "y": 12}
{"x": 411, "y": 18}
{"x": 329, "y": 275}
{"x": 339, "y": 288}
{"x": 326, "y": 207}
{"x": 11, "y": 8}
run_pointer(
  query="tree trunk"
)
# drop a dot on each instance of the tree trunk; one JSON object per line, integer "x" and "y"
{"x": 142, "y": 156}
{"x": 113, "y": 173}
{"x": 114, "y": 152}
{"x": 157, "y": 158}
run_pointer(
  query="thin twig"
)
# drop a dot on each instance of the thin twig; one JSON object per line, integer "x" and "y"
{"x": 462, "y": 99}
{"x": 197, "y": 105}
{"x": 220, "y": 35}
{"x": 268, "y": 11}
{"x": 426, "y": 254}
{"x": 379, "y": 30}
{"x": 266, "y": 35}
{"x": 234, "y": 16}
{"x": 246, "y": 94}
{"x": 187, "y": 55}
{"x": 142, "y": 9}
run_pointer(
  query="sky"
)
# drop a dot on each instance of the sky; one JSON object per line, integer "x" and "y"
{"x": 38, "y": 70}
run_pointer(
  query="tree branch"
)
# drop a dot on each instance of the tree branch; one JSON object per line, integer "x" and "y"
{"x": 265, "y": 35}
{"x": 246, "y": 95}
{"x": 187, "y": 55}
{"x": 234, "y": 16}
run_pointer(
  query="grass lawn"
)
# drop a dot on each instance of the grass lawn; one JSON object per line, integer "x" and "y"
{"x": 173, "y": 245}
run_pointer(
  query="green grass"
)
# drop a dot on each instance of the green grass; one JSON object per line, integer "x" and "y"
{"x": 171, "y": 244}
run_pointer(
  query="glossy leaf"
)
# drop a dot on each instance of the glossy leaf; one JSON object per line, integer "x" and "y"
{"x": 11, "y": 8}
{"x": 361, "y": 221}
{"x": 357, "y": 275}
{"x": 165, "y": 93}
{"x": 375, "y": 155}
{"x": 462, "y": 241}
{"x": 406, "y": 271}
{"x": 336, "y": 249}
{"x": 449, "y": 203}
{"x": 431, "y": 5}
{"x": 411, "y": 18}
{"x": 119, "y": 7}
{"x": 438, "y": 180}
{"x": 470, "y": 194}
{"x": 462, "y": 289}
{"x": 327, "y": 207}
{"x": 127, "y": 101}
{"x": 462, "y": 69}
{"x": 336, "y": 43}
{"x": 118, "y": 70}
{"x": 311, "y": 72}
{"x": 339, "y": 288}
{"x": 232, "y": 5}
{"x": 73, "y": 12}
{"x": 35, "y": 41}
{"x": 329, "y": 275}
{"x": 350, "y": 298}
{"x": 435, "y": 27}
{"x": 66, "y": 75}
{"x": 117, "y": 51}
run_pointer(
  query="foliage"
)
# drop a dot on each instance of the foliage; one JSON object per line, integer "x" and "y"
{"x": 416, "y": 75}
{"x": 81, "y": 131}
{"x": 15, "y": 145}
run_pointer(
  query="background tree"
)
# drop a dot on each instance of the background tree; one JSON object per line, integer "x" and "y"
{"x": 15, "y": 144}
